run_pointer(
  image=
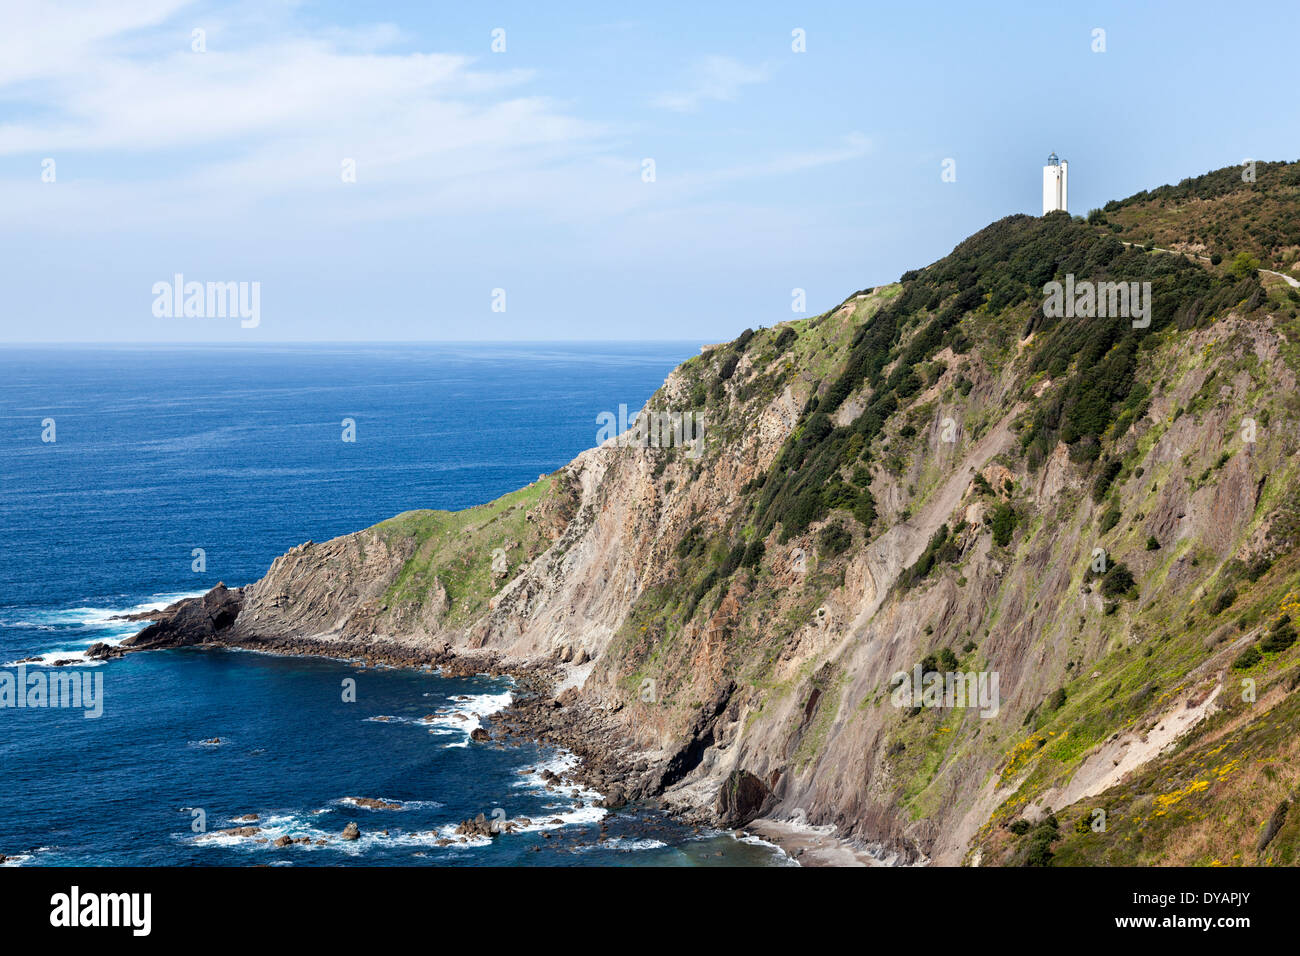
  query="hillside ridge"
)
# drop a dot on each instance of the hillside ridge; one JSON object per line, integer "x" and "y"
{"x": 940, "y": 475}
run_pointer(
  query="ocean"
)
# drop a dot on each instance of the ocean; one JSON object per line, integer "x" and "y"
{"x": 133, "y": 476}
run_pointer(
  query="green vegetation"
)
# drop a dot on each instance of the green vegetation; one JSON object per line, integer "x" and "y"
{"x": 1109, "y": 472}
{"x": 1222, "y": 213}
{"x": 1281, "y": 637}
{"x": 454, "y": 549}
{"x": 1224, "y": 601}
{"x": 1118, "y": 582}
{"x": 1109, "y": 518}
{"x": 834, "y": 540}
{"x": 1036, "y": 847}
{"x": 1244, "y": 266}
{"x": 1003, "y": 524}
{"x": 942, "y": 549}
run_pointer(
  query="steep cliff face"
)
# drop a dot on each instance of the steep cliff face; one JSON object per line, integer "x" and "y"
{"x": 423, "y": 579}
{"x": 936, "y": 477}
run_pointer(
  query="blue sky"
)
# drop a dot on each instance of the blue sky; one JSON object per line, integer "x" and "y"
{"x": 522, "y": 170}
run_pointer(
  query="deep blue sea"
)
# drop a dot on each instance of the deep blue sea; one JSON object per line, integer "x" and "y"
{"x": 158, "y": 451}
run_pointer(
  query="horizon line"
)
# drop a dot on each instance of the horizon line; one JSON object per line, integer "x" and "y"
{"x": 164, "y": 343}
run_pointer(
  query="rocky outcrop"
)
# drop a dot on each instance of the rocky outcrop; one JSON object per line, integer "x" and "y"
{"x": 196, "y": 621}
{"x": 479, "y": 826}
{"x": 1275, "y": 821}
{"x": 372, "y": 803}
{"x": 688, "y": 652}
{"x": 335, "y": 590}
{"x": 742, "y": 798}
{"x": 232, "y": 832}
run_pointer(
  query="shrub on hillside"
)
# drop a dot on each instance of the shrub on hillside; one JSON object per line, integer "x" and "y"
{"x": 728, "y": 367}
{"x": 833, "y": 540}
{"x": 1223, "y": 601}
{"x": 1109, "y": 472}
{"x": 1118, "y": 581}
{"x": 784, "y": 339}
{"x": 940, "y": 549}
{"x": 1037, "y": 848}
{"x": 1279, "y": 639}
{"x": 1003, "y": 524}
{"x": 1257, "y": 567}
{"x": 1109, "y": 519}
{"x": 1244, "y": 266}
{"x": 865, "y": 509}
{"x": 1247, "y": 658}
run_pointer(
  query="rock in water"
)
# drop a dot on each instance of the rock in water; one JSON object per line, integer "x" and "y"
{"x": 351, "y": 832}
{"x": 191, "y": 621}
{"x": 373, "y": 803}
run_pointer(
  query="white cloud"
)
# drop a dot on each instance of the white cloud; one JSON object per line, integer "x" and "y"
{"x": 711, "y": 79}
{"x": 42, "y": 39}
{"x": 145, "y": 130}
{"x": 220, "y": 131}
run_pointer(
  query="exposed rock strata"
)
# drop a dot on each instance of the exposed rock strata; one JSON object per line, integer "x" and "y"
{"x": 771, "y": 699}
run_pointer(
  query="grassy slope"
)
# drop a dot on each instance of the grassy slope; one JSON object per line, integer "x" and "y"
{"x": 1207, "y": 802}
{"x": 942, "y": 339}
{"x": 990, "y": 286}
{"x": 798, "y": 355}
{"x": 1219, "y": 214}
{"x": 456, "y": 549}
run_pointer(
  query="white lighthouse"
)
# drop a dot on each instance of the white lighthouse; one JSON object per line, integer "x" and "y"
{"x": 1055, "y": 174}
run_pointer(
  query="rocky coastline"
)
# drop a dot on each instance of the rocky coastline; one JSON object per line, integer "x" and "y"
{"x": 606, "y": 763}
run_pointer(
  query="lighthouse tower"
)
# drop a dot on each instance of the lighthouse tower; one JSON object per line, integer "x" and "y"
{"x": 1054, "y": 184}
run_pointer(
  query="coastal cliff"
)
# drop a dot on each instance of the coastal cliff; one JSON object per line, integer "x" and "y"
{"x": 935, "y": 476}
